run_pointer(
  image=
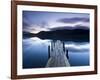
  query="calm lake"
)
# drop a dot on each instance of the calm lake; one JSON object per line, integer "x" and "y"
{"x": 35, "y": 52}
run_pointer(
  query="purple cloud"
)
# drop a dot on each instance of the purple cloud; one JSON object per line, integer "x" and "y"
{"x": 73, "y": 20}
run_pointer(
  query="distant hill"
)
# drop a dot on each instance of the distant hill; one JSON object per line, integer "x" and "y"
{"x": 79, "y": 35}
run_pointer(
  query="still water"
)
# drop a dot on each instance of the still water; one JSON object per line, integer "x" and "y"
{"x": 35, "y": 52}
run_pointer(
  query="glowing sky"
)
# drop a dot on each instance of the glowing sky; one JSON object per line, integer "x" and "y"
{"x": 36, "y": 21}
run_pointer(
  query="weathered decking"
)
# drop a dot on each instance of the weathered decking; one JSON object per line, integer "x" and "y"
{"x": 57, "y": 55}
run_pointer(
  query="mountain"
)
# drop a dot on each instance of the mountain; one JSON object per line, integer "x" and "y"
{"x": 27, "y": 35}
{"x": 79, "y": 35}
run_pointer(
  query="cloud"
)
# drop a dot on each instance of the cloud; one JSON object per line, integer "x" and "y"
{"x": 70, "y": 27}
{"x": 33, "y": 27}
{"x": 73, "y": 20}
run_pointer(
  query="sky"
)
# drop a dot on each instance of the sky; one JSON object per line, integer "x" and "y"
{"x": 36, "y": 21}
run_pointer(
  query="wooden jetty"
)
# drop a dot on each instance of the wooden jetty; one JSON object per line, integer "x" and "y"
{"x": 57, "y": 55}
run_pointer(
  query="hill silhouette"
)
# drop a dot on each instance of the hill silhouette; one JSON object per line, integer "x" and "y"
{"x": 78, "y": 35}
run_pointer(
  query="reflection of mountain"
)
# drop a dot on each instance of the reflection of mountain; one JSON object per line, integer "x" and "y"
{"x": 78, "y": 35}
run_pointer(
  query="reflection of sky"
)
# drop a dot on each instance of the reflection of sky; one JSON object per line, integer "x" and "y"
{"x": 35, "y": 50}
{"x": 36, "y": 55}
{"x": 35, "y": 21}
{"x": 84, "y": 46}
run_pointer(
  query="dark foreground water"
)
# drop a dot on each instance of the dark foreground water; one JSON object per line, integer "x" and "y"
{"x": 35, "y": 53}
